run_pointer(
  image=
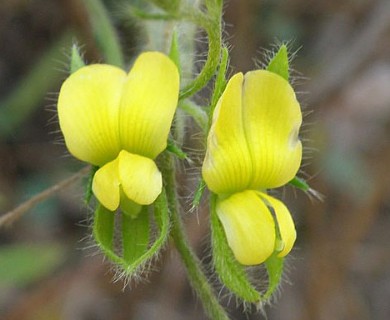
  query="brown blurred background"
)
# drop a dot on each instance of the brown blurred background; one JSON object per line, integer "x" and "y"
{"x": 340, "y": 267}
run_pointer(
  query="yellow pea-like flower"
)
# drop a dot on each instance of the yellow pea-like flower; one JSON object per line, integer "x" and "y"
{"x": 252, "y": 146}
{"x": 120, "y": 122}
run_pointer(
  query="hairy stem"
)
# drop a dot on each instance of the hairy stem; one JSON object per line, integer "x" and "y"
{"x": 195, "y": 273}
{"x": 212, "y": 24}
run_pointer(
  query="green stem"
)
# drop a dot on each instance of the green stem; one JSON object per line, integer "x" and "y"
{"x": 194, "y": 270}
{"x": 211, "y": 22}
{"x": 196, "y": 112}
{"x": 213, "y": 27}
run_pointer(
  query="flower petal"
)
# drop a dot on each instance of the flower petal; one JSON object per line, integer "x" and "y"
{"x": 148, "y": 104}
{"x": 140, "y": 178}
{"x": 106, "y": 185}
{"x": 285, "y": 223}
{"x": 227, "y": 167}
{"x": 272, "y": 117}
{"x": 88, "y": 107}
{"x": 249, "y": 227}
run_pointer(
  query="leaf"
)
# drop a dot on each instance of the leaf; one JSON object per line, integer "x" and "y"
{"x": 231, "y": 273}
{"x": 279, "y": 63}
{"x": 19, "y": 264}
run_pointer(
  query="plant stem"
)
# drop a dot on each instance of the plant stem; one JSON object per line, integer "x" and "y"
{"x": 13, "y": 215}
{"x": 213, "y": 26}
{"x": 196, "y": 112}
{"x": 194, "y": 270}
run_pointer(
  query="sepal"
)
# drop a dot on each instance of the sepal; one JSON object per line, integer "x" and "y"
{"x": 174, "y": 52}
{"x": 76, "y": 60}
{"x": 137, "y": 248}
{"x": 279, "y": 63}
{"x": 88, "y": 193}
{"x": 135, "y": 235}
{"x": 274, "y": 266}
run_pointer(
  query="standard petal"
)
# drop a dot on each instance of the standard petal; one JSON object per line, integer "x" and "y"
{"x": 148, "y": 104}
{"x": 249, "y": 227}
{"x": 106, "y": 185}
{"x": 88, "y": 108}
{"x": 140, "y": 178}
{"x": 227, "y": 167}
{"x": 285, "y": 223}
{"x": 272, "y": 118}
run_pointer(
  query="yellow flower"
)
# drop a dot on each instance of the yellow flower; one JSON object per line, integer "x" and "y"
{"x": 252, "y": 146}
{"x": 120, "y": 122}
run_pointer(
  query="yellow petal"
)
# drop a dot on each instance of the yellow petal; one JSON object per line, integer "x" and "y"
{"x": 148, "y": 104}
{"x": 88, "y": 107}
{"x": 249, "y": 227}
{"x": 227, "y": 167}
{"x": 106, "y": 185}
{"x": 285, "y": 223}
{"x": 140, "y": 178}
{"x": 272, "y": 118}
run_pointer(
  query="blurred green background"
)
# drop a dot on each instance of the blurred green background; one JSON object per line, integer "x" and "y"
{"x": 340, "y": 267}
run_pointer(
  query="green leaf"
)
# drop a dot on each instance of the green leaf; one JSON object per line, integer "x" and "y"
{"x": 279, "y": 63}
{"x": 19, "y": 265}
{"x": 135, "y": 235}
{"x": 274, "y": 267}
{"x": 229, "y": 270}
